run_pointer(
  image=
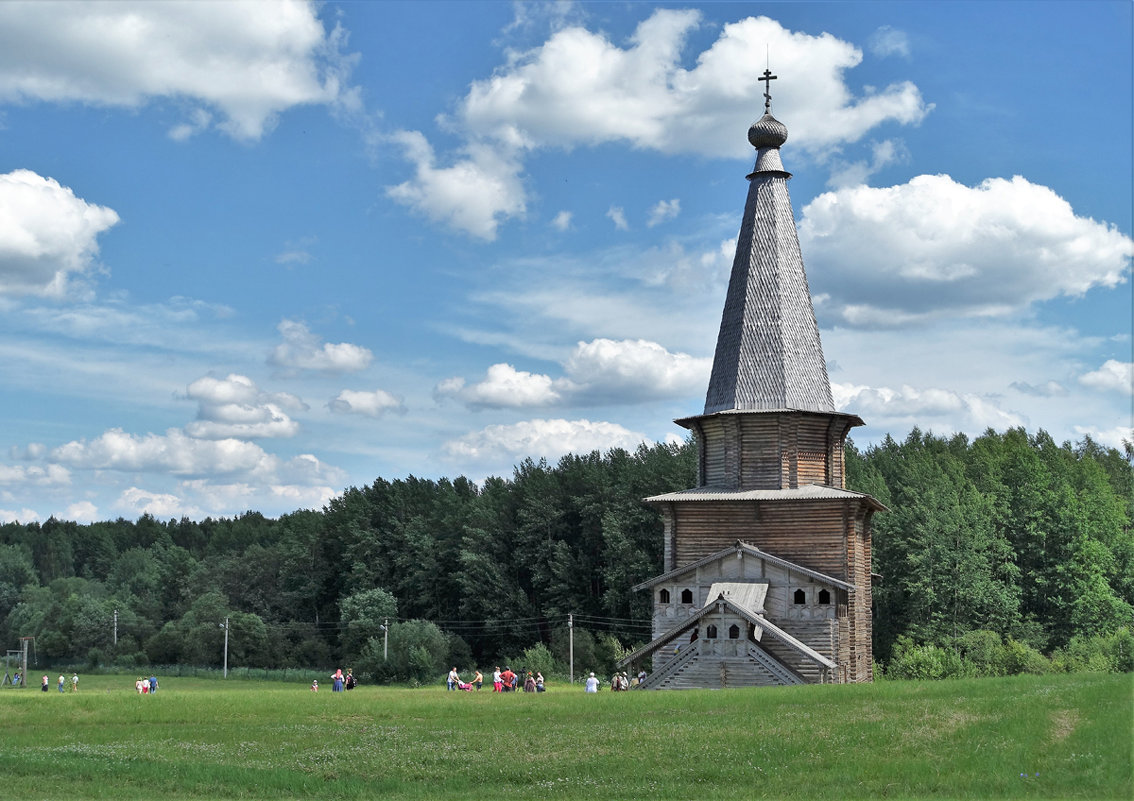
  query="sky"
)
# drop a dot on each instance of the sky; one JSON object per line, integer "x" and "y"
{"x": 254, "y": 253}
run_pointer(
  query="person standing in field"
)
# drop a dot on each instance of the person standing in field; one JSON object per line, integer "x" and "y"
{"x": 46, "y": 681}
{"x": 153, "y": 684}
{"x": 350, "y": 680}
{"x": 478, "y": 681}
{"x": 337, "y": 678}
{"x": 497, "y": 681}
{"x": 539, "y": 682}
{"x": 74, "y": 682}
{"x": 61, "y": 680}
{"x": 592, "y": 684}
{"x": 454, "y": 678}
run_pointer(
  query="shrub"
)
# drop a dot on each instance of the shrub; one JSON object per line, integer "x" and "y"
{"x": 912, "y": 661}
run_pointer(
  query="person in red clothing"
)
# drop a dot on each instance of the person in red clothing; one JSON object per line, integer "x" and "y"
{"x": 508, "y": 679}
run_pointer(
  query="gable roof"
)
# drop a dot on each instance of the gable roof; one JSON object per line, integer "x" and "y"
{"x": 714, "y": 605}
{"x": 751, "y": 550}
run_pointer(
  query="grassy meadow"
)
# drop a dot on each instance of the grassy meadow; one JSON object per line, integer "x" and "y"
{"x": 1061, "y": 736}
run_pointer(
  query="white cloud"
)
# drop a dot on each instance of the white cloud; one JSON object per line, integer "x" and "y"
{"x": 160, "y": 505}
{"x": 634, "y": 370}
{"x": 305, "y": 351}
{"x": 235, "y": 407}
{"x": 562, "y": 221}
{"x": 942, "y": 410}
{"x": 34, "y": 475}
{"x": 473, "y": 195}
{"x": 548, "y": 439}
{"x": 600, "y": 371}
{"x": 1048, "y": 389}
{"x": 23, "y": 516}
{"x": 618, "y": 216}
{"x": 581, "y": 88}
{"x": 503, "y": 387}
{"x": 883, "y": 154}
{"x": 369, "y": 404}
{"x": 48, "y": 236}
{"x": 1116, "y": 437}
{"x": 243, "y": 62}
{"x": 662, "y": 211}
{"x": 82, "y": 512}
{"x": 175, "y": 453}
{"x": 888, "y": 41}
{"x": 1112, "y": 376}
{"x": 932, "y": 248}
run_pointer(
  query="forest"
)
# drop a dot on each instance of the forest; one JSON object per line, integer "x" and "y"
{"x": 1004, "y": 553}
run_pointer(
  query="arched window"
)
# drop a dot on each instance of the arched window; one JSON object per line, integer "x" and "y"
{"x": 800, "y": 597}
{"x": 663, "y": 597}
{"x": 825, "y": 597}
{"x": 687, "y": 596}
{"x": 711, "y": 632}
{"x": 734, "y": 632}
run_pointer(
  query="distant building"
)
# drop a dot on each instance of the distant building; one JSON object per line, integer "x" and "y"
{"x": 767, "y": 561}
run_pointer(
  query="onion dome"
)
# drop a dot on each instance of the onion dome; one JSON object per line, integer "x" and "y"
{"x": 767, "y": 132}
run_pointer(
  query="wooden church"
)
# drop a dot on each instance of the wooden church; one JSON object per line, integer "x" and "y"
{"x": 767, "y": 561}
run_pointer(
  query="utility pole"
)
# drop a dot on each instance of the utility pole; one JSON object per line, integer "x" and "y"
{"x": 571, "y": 643}
{"x": 385, "y": 639}
{"x": 225, "y": 627}
{"x": 115, "y": 628}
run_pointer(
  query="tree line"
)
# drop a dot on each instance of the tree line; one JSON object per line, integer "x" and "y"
{"x": 1009, "y": 534}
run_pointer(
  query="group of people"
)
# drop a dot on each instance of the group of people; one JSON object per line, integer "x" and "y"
{"x": 62, "y": 683}
{"x": 339, "y": 681}
{"x": 619, "y": 682}
{"x": 146, "y": 686}
{"x": 506, "y": 681}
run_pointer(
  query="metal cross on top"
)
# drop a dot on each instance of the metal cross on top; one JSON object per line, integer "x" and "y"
{"x": 767, "y": 79}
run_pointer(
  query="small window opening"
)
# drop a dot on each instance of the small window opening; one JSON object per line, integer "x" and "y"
{"x": 734, "y": 632}
{"x": 663, "y": 597}
{"x": 711, "y": 632}
{"x": 824, "y": 597}
{"x": 687, "y": 596}
{"x": 800, "y": 597}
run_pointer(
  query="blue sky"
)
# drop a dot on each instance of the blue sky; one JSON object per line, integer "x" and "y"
{"x": 254, "y": 253}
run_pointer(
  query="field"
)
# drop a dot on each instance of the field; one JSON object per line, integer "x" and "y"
{"x": 1066, "y": 736}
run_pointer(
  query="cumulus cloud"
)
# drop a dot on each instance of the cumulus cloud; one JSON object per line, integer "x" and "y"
{"x": 580, "y": 88}
{"x": 235, "y": 407}
{"x": 562, "y": 221}
{"x": 1117, "y": 437}
{"x": 883, "y": 154}
{"x": 503, "y": 387}
{"x": 634, "y": 369}
{"x": 303, "y": 350}
{"x": 34, "y": 475}
{"x": 82, "y": 512}
{"x": 235, "y": 65}
{"x": 1048, "y": 389}
{"x": 474, "y": 194}
{"x": 160, "y": 505}
{"x": 48, "y": 236}
{"x": 933, "y": 247}
{"x": 662, "y": 211}
{"x": 600, "y": 371}
{"x": 23, "y": 516}
{"x": 1113, "y": 376}
{"x": 548, "y": 439}
{"x": 174, "y": 452}
{"x": 617, "y": 215}
{"x": 368, "y": 404}
{"x": 940, "y": 409}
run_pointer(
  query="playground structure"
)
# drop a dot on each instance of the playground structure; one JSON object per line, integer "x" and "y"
{"x": 20, "y": 678}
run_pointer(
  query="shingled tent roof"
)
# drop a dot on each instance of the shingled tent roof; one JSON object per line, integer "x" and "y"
{"x": 768, "y": 355}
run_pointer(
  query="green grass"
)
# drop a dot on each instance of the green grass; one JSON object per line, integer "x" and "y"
{"x": 199, "y": 738}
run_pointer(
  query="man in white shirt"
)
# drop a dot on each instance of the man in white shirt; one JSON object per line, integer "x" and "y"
{"x": 592, "y": 684}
